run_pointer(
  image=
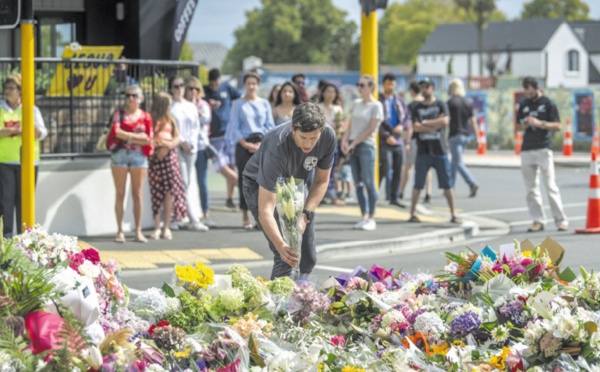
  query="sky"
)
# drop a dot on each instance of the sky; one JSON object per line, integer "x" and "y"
{"x": 215, "y": 21}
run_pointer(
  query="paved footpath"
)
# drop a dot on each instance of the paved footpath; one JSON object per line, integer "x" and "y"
{"x": 230, "y": 243}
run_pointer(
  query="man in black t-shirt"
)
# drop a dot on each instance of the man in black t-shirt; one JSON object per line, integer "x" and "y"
{"x": 430, "y": 119}
{"x": 538, "y": 117}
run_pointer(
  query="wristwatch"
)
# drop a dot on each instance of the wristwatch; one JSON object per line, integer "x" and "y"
{"x": 310, "y": 215}
{"x": 543, "y": 125}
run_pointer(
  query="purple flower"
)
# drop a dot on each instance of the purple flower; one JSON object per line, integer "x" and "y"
{"x": 411, "y": 319}
{"x": 464, "y": 324}
{"x": 517, "y": 270}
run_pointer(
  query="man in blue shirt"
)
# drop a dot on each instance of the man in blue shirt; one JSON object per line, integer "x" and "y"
{"x": 220, "y": 96}
{"x": 394, "y": 136}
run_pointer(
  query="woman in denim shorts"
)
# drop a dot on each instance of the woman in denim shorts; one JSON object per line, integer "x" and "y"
{"x": 130, "y": 140}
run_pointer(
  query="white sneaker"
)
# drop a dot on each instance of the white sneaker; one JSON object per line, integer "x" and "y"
{"x": 359, "y": 224}
{"x": 197, "y": 226}
{"x": 175, "y": 225}
{"x": 369, "y": 225}
{"x": 210, "y": 223}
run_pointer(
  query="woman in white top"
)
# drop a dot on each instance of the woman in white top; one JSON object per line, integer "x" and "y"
{"x": 334, "y": 113}
{"x": 359, "y": 141}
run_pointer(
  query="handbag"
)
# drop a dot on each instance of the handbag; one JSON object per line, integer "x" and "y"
{"x": 211, "y": 152}
{"x": 101, "y": 144}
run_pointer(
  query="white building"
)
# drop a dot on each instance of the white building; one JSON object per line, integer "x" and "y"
{"x": 548, "y": 49}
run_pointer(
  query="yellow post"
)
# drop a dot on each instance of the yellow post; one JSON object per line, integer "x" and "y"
{"x": 369, "y": 64}
{"x": 27, "y": 125}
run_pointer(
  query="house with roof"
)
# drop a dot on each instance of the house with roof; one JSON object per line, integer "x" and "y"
{"x": 211, "y": 55}
{"x": 588, "y": 32}
{"x": 548, "y": 49}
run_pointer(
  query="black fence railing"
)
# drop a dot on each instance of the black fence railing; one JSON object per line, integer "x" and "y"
{"x": 77, "y": 96}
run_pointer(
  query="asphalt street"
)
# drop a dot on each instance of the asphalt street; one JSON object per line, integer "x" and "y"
{"x": 501, "y": 197}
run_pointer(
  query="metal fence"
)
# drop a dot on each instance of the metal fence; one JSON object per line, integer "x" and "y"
{"x": 77, "y": 96}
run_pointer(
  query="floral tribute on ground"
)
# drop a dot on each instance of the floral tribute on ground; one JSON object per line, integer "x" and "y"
{"x": 510, "y": 309}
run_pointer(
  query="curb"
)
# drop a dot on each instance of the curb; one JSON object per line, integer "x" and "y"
{"x": 515, "y": 164}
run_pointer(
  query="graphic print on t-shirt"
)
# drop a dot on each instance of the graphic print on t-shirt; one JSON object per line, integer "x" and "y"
{"x": 429, "y": 113}
{"x": 310, "y": 163}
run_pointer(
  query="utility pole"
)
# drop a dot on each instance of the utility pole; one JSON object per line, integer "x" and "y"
{"x": 27, "y": 124}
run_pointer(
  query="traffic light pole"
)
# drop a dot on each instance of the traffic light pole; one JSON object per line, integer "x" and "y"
{"x": 27, "y": 123}
{"x": 369, "y": 64}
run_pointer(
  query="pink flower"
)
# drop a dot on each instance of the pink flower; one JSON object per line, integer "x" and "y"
{"x": 338, "y": 341}
{"x": 526, "y": 261}
{"x": 517, "y": 270}
{"x": 91, "y": 255}
{"x": 379, "y": 272}
{"x": 357, "y": 283}
{"x": 378, "y": 288}
{"x": 112, "y": 265}
{"x": 76, "y": 259}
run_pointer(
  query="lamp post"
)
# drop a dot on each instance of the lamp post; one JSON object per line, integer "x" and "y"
{"x": 28, "y": 100}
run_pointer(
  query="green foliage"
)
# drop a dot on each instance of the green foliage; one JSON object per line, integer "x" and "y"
{"x": 299, "y": 31}
{"x": 15, "y": 347}
{"x": 187, "y": 54}
{"x": 67, "y": 357}
{"x": 571, "y": 10}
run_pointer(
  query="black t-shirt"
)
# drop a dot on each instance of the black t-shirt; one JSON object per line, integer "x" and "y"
{"x": 431, "y": 143}
{"x": 543, "y": 109}
{"x": 411, "y": 107}
{"x": 460, "y": 112}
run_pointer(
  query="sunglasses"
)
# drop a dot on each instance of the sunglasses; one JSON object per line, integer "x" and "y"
{"x": 177, "y": 86}
{"x": 361, "y": 85}
{"x": 193, "y": 88}
{"x": 131, "y": 95}
{"x": 299, "y": 83}
{"x": 11, "y": 87}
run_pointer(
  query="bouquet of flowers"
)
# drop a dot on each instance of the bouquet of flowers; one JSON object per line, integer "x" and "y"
{"x": 290, "y": 203}
{"x": 194, "y": 277}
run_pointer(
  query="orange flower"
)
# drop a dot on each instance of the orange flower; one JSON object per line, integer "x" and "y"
{"x": 415, "y": 340}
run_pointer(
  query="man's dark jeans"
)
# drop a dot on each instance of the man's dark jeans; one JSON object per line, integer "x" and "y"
{"x": 309, "y": 251}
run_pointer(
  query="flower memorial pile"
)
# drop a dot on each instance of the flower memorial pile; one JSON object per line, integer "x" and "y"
{"x": 508, "y": 310}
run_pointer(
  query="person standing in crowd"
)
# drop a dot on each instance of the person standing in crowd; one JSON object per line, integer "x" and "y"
{"x": 394, "y": 136}
{"x": 167, "y": 190}
{"x": 251, "y": 119}
{"x": 359, "y": 141}
{"x": 194, "y": 94}
{"x": 300, "y": 81}
{"x": 430, "y": 121}
{"x": 220, "y": 96}
{"x": 287, "y": 100}
{"x": 315, "y": 98}
{"x": 292, "y": 150}
{"x": 11, "y": 141}
{"x": 410, "y": 154}
{"x": 186, "y": 116}
{"x": 130, "y": 140}
{"x": 461, "y": 115}
{"x": 538, "y": 117}
{"x": 273, "y": 95}
{"x": 334, "y": 117}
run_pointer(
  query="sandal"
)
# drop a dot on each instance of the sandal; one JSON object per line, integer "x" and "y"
{"x": 120, "y": 238}
{"x": 140, "y": 238}
{"x": 248, "y": 226}
{"x": 155, "y": 234}
{"x": 167, "y": 234}
{"x": 455, "y": 219}
{"x": 414, "y": 218}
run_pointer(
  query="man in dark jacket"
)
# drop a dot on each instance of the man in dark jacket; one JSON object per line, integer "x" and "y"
{"x": 395, "y": 132}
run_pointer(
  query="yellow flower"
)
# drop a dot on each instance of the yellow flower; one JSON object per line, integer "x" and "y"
{"x": 527, "y": 253}
{"x": 458, "y": 343}
{"x": 182, "y": 354}
{"x": 441, "y": 349}
{"x": 353, "y": 369}
{"x": 498, "y": 361}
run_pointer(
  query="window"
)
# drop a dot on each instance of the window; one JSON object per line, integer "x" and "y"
{"x": 433, "y": 58}
{"x": 424, "y": 58}
{"x": 573, "y": 61}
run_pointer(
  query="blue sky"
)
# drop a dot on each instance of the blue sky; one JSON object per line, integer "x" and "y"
{"x": 216, "y": 20}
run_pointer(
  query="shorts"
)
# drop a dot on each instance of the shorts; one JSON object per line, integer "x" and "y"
{"x": 440, "y": 163}
{"x": 225, "y": 153}
{"x": 345, "y": 173}
{"x": 128, "y": 159}
{"x": 409, "y": 159}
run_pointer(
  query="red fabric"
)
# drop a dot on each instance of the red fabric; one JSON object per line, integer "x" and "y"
{"x": 142, "y": 124}
{"x": 43, "y": 328}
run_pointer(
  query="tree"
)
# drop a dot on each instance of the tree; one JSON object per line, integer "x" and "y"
{"x": 405, "y": 27}
{"x": 187, "y": 54}
{"x": 571, "y": 10}
{"x": 300, "y": 31}
{"x": 480, "y": 13}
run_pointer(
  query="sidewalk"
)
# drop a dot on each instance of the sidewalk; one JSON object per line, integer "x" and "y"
{"x": 508, "y": 159}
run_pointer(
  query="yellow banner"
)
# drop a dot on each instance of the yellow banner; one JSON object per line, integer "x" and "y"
{"x": 84, "y": 79}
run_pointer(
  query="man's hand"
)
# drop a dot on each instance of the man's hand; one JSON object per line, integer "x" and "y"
{"x": 287, "y": 255}
{"x": 534, "y": 122}
{"x": 186, "y": 147}
{"x": 398, "y": 129}
{"x": 345, "y": 149}
{"x": 252, "y": 147}
{"x": 391, "y": 141}
{"x": 214, "y": 103}
{"x": 303, "y": 223}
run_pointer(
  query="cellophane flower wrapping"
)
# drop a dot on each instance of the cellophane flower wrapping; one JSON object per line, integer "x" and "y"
{"x": 290, "y": 196}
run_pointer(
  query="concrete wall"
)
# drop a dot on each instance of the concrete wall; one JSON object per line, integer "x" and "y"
{"x": 77, "y": 198}
{"x": 563, "y": 41}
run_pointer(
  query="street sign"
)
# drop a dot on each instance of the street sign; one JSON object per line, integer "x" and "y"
{"x": 10, "y": 13}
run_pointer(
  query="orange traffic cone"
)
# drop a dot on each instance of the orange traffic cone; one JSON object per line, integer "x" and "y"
{"x": 568, "y": 140}
{"x": 596, "y": 142}
{"x": 518, "y": 142}
{"x": 482, "y": 146}
{"x": 592, "y": 225}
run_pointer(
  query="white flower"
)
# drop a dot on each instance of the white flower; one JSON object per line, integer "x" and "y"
{"x": 87, "y": 268}
{"x": 500, "y": 333}
{"x": 451, "y": 268}
{"x": 66, "y": 280}
{"x": 155, "y": 368}
{"x": 390, "y": 317}
{"x": 430, "y": 324}
{"x": 173, "y": 305}
{"x": 232, "y": 299}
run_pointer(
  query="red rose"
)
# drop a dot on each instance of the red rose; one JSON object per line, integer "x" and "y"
{"x": 162, "y": 323}
{"x": 75, "y": 260}
{"x": 91, "y": 255}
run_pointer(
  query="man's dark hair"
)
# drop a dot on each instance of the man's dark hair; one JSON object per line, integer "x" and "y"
{"x": 389, "y": 77}
{"x": 308, "y": 117}
{"x": 530, "y": 82}
{"x": 298, "y": 76}
{"x": 251, "y": 75}
{"x": 296, "y": 101}
{"x": 414, "y": 86}
{"x": 214, "y": 74}
{"x": 172, "y": 80}
{"x": 426, "y": 83}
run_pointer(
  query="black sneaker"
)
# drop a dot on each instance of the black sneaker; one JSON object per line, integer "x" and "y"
{"x": 397, "y": 204}
{"x": 230, "y": 204}
{"x": 474, "y": 189}
{"x": 427, "y": 199}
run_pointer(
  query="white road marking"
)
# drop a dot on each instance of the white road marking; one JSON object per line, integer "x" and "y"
{"x": 521, "y": 209}
{"x": 528, "y": 222}
{"x": 333, "y": 268}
